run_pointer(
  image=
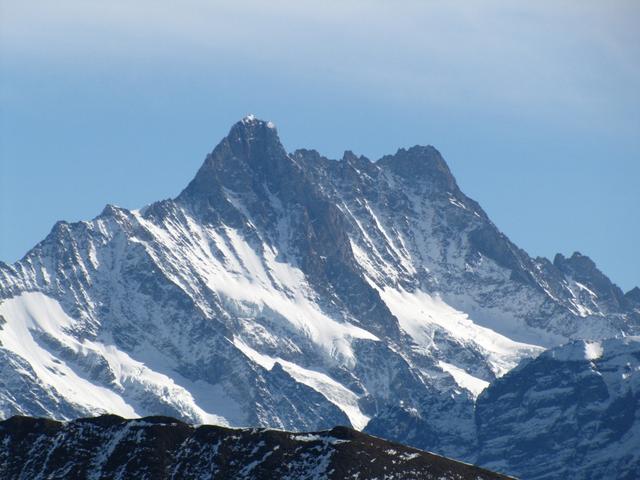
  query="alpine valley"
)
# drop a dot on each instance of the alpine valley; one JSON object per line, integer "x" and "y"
{"x": 290, "y": 291}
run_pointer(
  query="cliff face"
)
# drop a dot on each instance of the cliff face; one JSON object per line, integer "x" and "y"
{"x": 570, "y": 413}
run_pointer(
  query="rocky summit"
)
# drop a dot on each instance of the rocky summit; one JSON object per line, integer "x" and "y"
{"x": 290, "y": 291}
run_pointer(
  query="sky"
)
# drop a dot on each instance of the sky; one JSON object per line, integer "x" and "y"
{"x": 534, "y": 105}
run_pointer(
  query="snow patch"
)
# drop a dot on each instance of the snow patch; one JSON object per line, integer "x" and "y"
{"x": 473, "y": 384}
{"x": 312, "y": 437}
{"x": 592, "y": 350}
{"x": 420, "y": 314}
{"x": 336, "y": 393}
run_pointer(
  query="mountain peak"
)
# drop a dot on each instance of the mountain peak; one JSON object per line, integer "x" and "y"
{"x": 252, "y": 150}
{"x": 584, "y": 270}
{"x": 421, "y": 162}
{"x": 252, "y": 120}
{"x": 250, "y": 139}
{"x": 252, "y": 130}
{"x": 633, "y": 295}
{"x": 576, "y": 261}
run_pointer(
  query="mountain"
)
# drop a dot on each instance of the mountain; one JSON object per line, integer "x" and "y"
{"x": 109, "y": 447}
{"x": 573, "y": 412}
{"x": 290, "y": 291}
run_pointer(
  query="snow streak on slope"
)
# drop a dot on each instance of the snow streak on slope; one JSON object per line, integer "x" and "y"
{"x": 333, "y": 391}
{"x": 37, "y": 320}
{"x": 463, "y": 379}
{"x": 34, "y": 315}
{"x": 420, "y": 314}
{"x": 251, "y": 282}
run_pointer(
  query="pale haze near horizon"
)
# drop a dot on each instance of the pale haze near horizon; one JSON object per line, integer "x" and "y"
{"x": 535, "y": 107}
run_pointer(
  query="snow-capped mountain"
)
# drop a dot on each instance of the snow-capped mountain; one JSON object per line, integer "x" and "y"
{"x": 287, "y": 290}
{"x": 159, "y": 448}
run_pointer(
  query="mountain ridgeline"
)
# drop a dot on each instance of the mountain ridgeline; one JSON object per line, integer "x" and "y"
{"x": 109, "y": 447}
{"x": 291, "y": 291}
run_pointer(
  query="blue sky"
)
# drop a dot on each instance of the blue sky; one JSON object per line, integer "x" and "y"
{"x": 535, "y": 105}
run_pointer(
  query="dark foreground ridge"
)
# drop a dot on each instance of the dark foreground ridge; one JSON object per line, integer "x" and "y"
{"x": 110, "y": 447}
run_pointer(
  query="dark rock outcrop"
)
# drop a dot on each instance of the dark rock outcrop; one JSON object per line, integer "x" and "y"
{"x": 110, "y": 447}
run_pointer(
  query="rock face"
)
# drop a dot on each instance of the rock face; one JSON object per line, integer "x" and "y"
{"x": 110, "y": 447}
{"x": 592, "y": 282}
{"x": 287, "y": 290}
{"x": 573, "y": 412}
